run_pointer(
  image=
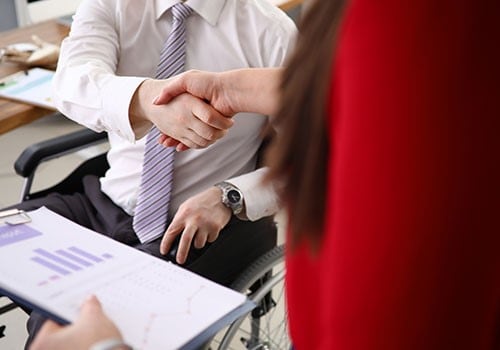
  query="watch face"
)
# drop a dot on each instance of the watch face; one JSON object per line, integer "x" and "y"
{"x": 233, "y": 196}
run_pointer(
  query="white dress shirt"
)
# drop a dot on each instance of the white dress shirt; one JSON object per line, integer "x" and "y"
{"x": 115, "y": 44}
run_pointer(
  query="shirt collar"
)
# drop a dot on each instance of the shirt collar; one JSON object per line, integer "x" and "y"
{"x": 209, "y": 10}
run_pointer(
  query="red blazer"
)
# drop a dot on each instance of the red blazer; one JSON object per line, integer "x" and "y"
{"x": 411, "y": 253}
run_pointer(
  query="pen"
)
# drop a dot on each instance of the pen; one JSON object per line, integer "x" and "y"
{"x": 8, "y": 82}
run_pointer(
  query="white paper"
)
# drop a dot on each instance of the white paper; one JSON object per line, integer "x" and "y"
{"x": 32, "y": 86}
{"x": 156, "y": 305}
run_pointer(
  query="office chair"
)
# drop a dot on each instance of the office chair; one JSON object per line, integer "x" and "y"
{"x": 34, "y": 155}
{"x": 265, "y": 327}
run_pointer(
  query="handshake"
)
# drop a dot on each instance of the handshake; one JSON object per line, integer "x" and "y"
{"x": 194, "y": 109}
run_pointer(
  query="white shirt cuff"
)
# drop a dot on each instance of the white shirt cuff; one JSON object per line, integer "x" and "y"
{"x": 260, "y": 200}
{"x": 117, "y": 90}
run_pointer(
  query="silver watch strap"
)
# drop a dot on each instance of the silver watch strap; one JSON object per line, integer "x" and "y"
{"x": 111, "y": 344}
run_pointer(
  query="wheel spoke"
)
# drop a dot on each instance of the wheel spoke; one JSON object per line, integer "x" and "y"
{"x": 268, "y": 330}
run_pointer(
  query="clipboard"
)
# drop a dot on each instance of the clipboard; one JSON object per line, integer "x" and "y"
{"x": 14, "y": 217}
{"x": 154, "y": 303}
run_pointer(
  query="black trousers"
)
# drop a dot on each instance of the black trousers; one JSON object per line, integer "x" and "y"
{"x": 239, "y": 243}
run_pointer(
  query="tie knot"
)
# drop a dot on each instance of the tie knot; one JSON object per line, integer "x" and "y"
{"x": 181, "y": 11}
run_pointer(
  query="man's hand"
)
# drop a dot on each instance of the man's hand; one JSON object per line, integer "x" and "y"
{"x": 91, "y": 327}
{"x": 186, "y": 118}
{"x": 191, "y": 121}
{"x": 199, "y": 219}
{"x": 253, "y": 90}
{"x": 242, "y": 90}
{"x": 206, "y": 85}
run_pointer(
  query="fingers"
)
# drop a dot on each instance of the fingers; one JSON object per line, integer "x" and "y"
{"x": 205, "y": 125}
{"x": 212, "y": 236}
{"x": 49, "y": 327}
{"x": 211, "y": 117}
{"x": 199, "y": 219}
{"x": 185, "y": 244}
{"x": 190, "y": 121}
{"x": 199, "y": 240}
{"x": 194, "y": 141}
{"x": 44, "y": 337}
{"x": 191, "y": 235}
{"x": 168, "y": 141}
{"x": 169, "y": 237}
{"x": 91, "y": 307}
{"x": 181, "y": 147}
{"x": 92, "y": 325}
{"x": 177, "y": 227}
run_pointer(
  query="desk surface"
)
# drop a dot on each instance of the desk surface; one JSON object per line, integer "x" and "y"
{"x": 15, "y": 114}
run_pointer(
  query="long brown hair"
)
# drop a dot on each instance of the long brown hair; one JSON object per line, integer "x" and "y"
{"x": 298, "y": 157}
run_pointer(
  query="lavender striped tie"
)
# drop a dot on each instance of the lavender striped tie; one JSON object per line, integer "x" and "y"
{"x": 157, "y": 173}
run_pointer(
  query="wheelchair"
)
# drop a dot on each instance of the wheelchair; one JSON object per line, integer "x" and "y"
{"x": 263, "y": 328}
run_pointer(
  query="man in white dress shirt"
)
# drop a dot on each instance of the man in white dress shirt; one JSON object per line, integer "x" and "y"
{"x": 103, "y": 82}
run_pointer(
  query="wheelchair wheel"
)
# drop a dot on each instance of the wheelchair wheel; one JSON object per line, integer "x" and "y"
{"x": 265, "y": 327}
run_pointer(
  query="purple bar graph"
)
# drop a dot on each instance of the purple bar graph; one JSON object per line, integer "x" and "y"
{"x": 73, "y": 257}
{"x": 66, "y": 261}
{"x": 85, "y": 254}
{"x": 51, "y": 266}
{"x": 57, "y": 259}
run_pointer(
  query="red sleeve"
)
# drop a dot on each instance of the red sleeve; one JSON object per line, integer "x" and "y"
{"x": 411, "y": 255}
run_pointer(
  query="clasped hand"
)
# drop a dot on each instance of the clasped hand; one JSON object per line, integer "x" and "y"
{"x": 206, "y": 86}
{"x": 188, "y": 119}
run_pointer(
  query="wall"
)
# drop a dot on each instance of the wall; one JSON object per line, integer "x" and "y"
{"x": 7, "y": 15}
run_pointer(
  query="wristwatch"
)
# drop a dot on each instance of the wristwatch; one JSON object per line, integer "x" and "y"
{"x": 231, "y": 197}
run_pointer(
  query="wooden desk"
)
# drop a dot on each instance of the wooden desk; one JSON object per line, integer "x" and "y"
{"x": 15, "y": 114}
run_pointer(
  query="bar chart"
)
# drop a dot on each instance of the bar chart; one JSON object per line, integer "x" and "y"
{"x": 66, "y": 261}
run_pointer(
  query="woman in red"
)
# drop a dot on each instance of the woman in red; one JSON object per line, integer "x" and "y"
{"x": 398, "y": 245}
{"x": 388, "y": 152}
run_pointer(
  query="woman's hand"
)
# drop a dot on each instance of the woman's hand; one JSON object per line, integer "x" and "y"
{"x": 91, "y": 327}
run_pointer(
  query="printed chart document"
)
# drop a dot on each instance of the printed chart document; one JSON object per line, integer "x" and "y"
{"x": 32, "y": 86}
{"x": 53, "y": 264}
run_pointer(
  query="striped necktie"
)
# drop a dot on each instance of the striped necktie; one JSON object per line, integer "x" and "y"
{"x": 157, "y": 174}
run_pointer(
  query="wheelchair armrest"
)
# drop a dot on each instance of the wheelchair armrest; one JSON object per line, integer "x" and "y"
{"x": 37, "y": 153}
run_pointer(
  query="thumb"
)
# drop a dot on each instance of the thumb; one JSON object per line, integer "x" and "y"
{"x": 91, "y": 307}
{"x": 172, "y": 88}
{"x": 169, "y": 237}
